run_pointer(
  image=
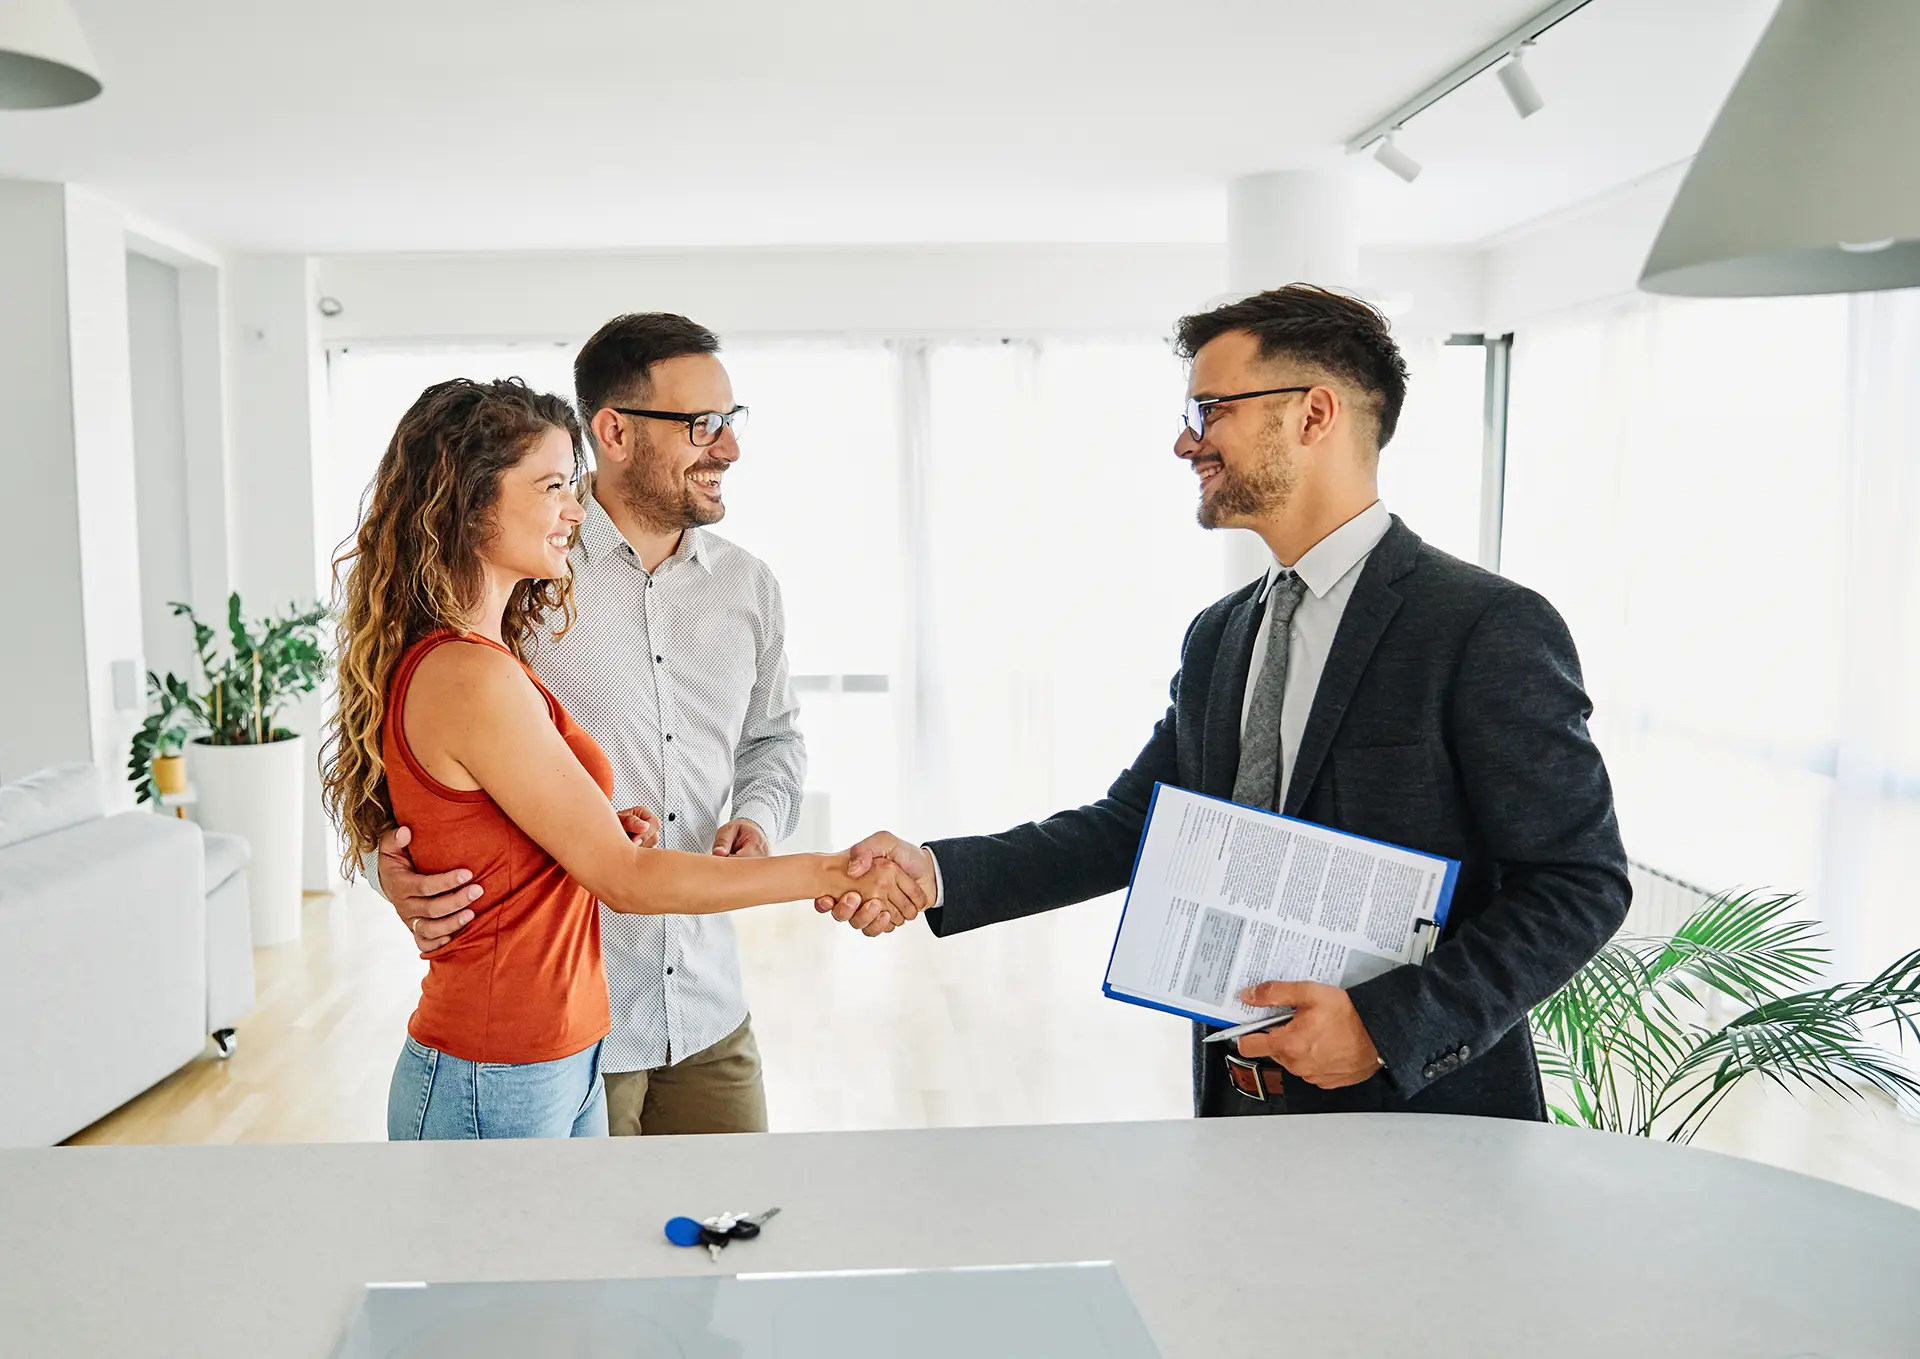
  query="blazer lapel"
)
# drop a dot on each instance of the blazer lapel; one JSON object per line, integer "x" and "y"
{"x": 1220, "y": 749}
{"x": 1371, "y": 608}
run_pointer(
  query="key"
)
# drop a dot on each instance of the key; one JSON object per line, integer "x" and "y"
{"x": 714, "y": 1240}
{"x": 747, "y": 1226}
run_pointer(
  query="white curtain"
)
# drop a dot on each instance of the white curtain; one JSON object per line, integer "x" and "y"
{"x": 1721, "y": 497}
{"x": 1430, "y": 473}
{"x": 370, "y": 388}
{"x": 1059, "y": 563}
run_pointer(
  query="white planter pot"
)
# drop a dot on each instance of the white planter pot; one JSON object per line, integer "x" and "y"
{"x": 257, "y": 792}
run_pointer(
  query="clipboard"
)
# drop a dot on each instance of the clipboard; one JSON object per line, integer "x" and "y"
{"x": 1222, "y": 896}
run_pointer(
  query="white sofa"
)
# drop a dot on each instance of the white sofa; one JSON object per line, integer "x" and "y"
{"x": 115, "y": 960}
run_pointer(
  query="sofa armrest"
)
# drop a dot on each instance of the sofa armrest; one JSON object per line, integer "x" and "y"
{"x": 102, "y": 969}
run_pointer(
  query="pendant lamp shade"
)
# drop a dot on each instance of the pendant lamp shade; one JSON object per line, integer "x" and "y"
{"x": 1807, "y": 182}
{"x": 45, "y": 61}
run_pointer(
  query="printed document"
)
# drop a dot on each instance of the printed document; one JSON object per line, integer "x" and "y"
{"x": 1225, "y": 896}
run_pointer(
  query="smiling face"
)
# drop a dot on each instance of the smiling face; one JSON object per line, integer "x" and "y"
{"x": 1246, "y": 461}
{"x": 535, "y": 511}
{"x": 663, "y": 478}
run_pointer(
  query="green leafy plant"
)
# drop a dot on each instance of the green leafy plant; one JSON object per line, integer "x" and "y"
{"x": 1632, "y": 1041}
{"x": 262, "y": 668}
{"x": 169, "y": 723}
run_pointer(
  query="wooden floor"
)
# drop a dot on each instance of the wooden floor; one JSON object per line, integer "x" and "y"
{"x": 1003, "y": 1026}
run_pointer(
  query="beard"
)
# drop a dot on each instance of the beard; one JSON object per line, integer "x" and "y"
{"x": 1262, "y": 490}
{"x": 663, "y": 498}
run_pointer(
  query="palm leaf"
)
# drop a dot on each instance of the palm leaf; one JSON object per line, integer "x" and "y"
{"x": 1809, "y": 1041}
{"x": 1629, "y": 1038}
{"x": 1616, "y": 1041}
{"x": 1891, "y": 999}
{"x": 1744, "y": 945}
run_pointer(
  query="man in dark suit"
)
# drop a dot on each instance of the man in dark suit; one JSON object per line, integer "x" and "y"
{"x": 1366, "y": 682}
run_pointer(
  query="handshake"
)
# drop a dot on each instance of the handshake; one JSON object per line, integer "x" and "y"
{"x": 891, "y": 882}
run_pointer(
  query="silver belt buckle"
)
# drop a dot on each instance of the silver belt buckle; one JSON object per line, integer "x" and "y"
{"x": 1252, "y": 1068}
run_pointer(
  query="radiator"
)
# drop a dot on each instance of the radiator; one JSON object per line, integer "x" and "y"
{"x": 1661, "y": 902}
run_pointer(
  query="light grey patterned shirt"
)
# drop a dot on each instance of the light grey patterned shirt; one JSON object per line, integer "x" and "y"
{"x": 681, "y": 676}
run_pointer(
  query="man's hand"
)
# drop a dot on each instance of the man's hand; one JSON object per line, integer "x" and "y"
{"x": 893, "y": 895}
{"x": 434, "y": 906}
{"x": 1324, "y": 1044}
{"x": 642, "y": 827}
{"x": 870, "y": 917}
{"x": 741, "y": 839}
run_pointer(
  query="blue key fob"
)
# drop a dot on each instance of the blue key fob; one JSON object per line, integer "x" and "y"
{"x": 684, "y": 1231}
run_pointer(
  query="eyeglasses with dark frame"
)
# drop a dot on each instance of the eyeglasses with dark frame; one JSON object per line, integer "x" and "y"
{"x": 703, "y": 427}
{"x": 1194, "y": 422}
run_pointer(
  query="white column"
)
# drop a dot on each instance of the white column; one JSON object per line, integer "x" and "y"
{"x": 1288, "y": 226}
{"x": 203, "y": 413}
{"x": 159, "y": 447}
{"x": 71, "y": 545}
{"x": 276, "y": 385}
{"x": 1291, "y": 226}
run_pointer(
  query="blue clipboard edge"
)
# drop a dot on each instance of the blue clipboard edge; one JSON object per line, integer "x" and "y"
{"x": 1211, "y": 1021}
{"x": 1449, "y": 880}
{"x": 1106, "y": 978}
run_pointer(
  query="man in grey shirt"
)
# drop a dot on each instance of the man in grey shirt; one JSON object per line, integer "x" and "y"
{"x": 677, "y": 666}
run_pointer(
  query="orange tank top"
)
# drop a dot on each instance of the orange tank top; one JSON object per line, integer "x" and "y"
{"x": 524, "y": 981}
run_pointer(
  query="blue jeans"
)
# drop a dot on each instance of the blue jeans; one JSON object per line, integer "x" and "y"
{"x": 435, "y": 1097}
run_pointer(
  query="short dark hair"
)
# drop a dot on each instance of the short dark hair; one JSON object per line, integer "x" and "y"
{"x": 616, "y": 363}
{"x": 1340, "y": 335}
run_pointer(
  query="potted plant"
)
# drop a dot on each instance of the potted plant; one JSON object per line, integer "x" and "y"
{"x": 250, "y": 771}
{"x": 1633, "y": 1043}
{"x": 156, "y": 765}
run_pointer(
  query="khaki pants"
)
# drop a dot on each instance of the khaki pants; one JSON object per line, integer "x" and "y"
{"x": 716, "y": 1091}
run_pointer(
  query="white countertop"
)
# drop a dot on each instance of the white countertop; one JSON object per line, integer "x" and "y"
{"x": 1340, "y": 1235}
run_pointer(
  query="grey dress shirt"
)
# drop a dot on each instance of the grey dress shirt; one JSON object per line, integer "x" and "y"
{"x": 681, "y": 676}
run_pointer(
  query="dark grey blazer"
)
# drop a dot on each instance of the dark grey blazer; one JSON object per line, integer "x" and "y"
{"x": 1450, "y": 718}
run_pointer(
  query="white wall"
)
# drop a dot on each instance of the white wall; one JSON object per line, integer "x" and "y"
{"x": 160, "y": 459}
{"x": 276, "y": 381}
{"x": 1443, "y": 289}
{"x": 201, "y": 344}
{"x": 104, "y": 464}
{"x": 1589, "y": 254}
{"x": 866, "y": 291}
{"x": 72, "y": 536}
{"x": 44, "y": 713}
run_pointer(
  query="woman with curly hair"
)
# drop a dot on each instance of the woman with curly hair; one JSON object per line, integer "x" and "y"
{"x": 460, "y": 562}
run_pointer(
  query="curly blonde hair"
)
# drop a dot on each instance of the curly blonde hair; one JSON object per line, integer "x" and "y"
{"x": 415, "y": 569}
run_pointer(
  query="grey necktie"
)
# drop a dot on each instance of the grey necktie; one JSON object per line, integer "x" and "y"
{"x": 1257, "y": 783}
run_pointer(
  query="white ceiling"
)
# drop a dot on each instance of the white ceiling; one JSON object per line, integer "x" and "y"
{"x": 359, "y": 125}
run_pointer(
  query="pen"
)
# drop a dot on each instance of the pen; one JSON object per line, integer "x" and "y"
{"x": 1274, "y": 1020}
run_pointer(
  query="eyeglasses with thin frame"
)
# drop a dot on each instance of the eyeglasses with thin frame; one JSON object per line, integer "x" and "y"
{"x": 703, "y": 427}
{"x": 1194, "y": 422}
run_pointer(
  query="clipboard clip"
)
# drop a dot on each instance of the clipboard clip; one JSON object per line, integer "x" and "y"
{"x": 1422, "y": 923}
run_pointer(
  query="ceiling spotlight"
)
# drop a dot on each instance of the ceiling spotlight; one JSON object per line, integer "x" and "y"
{"x": 1396, "y": 160}
{"x": 1522, "y": 93}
